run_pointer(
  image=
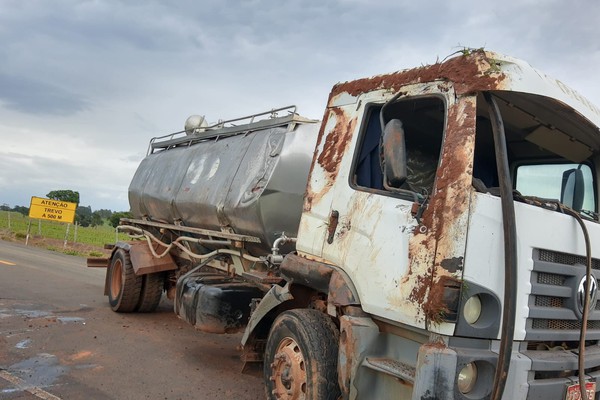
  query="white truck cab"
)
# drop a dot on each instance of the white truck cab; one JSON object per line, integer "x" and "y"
{"x": 427, "y": 259}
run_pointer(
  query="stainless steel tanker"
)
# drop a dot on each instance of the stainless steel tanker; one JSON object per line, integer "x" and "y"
{"x": 247, "y": 179}
{"x": 215, "y": 210}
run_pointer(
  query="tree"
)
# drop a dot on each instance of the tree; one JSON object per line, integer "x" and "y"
{"x": 83, "y": 215}
{"x": 96, "y": 219}
{"x": 104, "y": 213}
{"x": 21, "y": 209}
{"x": 114, "y": 219}
{"x": 64, "y": 195}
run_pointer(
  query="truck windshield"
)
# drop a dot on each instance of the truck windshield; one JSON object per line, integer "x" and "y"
{"x": 546, "y": 181}
{"x": 551, "y": 149}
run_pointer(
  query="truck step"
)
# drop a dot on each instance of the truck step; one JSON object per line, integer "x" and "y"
{"x": 391, "y": 367}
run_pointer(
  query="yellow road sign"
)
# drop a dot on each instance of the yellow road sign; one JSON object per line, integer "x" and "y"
{"x": 52, "y": 210}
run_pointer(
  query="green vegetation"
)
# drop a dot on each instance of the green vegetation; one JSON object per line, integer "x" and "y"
{"x": 95, "y": 236}
{"x": 64, "y": 195}
{"x": 116, "y": 217}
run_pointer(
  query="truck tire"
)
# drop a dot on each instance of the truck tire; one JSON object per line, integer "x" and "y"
{"x": 152, "y": 288}
{"x": 301, "y": 357}
{"x": 124, "y": 286}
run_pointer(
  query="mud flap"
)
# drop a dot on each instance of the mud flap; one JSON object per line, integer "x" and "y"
{"x": 436, "y": 372}
{"x": 274, "y": 297}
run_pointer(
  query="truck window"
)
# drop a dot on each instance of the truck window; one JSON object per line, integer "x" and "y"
{"x": 545, "y": 180}
{"x": 423, "y": 121}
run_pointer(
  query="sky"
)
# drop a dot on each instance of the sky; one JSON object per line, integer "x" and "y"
{"x": 84, "y": 85}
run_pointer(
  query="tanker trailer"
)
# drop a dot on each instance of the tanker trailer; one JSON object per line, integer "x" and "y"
{"x": 214, "y": 209}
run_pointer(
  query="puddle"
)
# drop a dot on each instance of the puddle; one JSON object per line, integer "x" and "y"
{"x": 4, "y": 313}
{"x": 3, "y": 391}
{"x": 41, "y": 371}
{"x": 31, "y": 313}
{"x": 71, "y": 320}
{"x": 82, "y": 308}
{"x": 23, "y": 344}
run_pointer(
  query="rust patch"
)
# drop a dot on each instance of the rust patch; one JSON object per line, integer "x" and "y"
{"x": 469, "y": 73}
{"x": 309, "y": 196}
{"x": 420, "y": 289}
{"x": 333, "y": 223}
{"x": 336, "y": 142}
{"x": 437, "y": 247}
{"x": 335, "y": 145}
{"x": 340, "y": 293}
{"x": 303, "y": 271}
{"x": 345, "y": 226}
{"x": 436, "y": 307}
{"x": 451, "y": 194}
{"x": 436, "y": 344}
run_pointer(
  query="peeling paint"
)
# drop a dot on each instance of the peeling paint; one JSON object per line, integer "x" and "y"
{"x": 335, "y": 141}
{"x": 445, "y": 215}
{"x": 469, "y": 73}
{"x": 453, "y": 264}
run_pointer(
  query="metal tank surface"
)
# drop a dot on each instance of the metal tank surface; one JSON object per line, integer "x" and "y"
{"x": 246, "y": 179}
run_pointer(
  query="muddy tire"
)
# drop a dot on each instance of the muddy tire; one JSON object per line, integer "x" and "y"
{"x": 152, "y": 288}
{"x": 123, "y": 285}
{"x": 301, "y": 357}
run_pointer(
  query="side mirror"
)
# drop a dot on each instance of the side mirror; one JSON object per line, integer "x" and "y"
{"x": 393, "y": 155}
{"x": 572, "y": 189}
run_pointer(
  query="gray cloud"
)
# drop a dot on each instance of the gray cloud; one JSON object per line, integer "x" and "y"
{"x": 32, "y": 96}
{"x": 116, "y": 73}
{"x": 25, "y": 175}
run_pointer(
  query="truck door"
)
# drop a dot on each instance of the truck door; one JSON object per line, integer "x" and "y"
{"x": 391, "y": 256}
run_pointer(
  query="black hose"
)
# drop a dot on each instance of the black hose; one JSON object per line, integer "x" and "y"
{"x": 510, "y": 249}
{"x": 586, "y": 301}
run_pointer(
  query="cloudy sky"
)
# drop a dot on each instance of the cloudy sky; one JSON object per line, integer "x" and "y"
{"x": 84, "y": 85}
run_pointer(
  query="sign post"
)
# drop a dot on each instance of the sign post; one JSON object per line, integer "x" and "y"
{"x": 51, "y": 210}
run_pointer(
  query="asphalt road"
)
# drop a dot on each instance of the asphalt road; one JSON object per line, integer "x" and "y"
{"x": 60, "y": 340}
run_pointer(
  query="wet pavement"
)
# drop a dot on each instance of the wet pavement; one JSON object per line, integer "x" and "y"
{"x": 60, "y": 340}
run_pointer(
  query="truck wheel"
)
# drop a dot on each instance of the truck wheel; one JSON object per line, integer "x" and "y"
{"x": 301, "y": 357}
{"x": 124, "y": 285}
{"x": 152, "y": 288}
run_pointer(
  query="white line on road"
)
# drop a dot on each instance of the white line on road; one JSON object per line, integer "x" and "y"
{"x": 21, "y": 384}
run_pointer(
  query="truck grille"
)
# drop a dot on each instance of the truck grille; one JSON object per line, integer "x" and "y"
{"x": 553, "y": 308}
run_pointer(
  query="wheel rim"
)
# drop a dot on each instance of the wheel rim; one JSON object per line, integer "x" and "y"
{"x": 116, "y": 279}
{"x": 288, "y": 371}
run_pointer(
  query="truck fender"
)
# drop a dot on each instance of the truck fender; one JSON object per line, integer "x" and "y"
{"x": 300, "y": 272}
{"x": 274, "y": 297}
{"x": 322, "y": 277}
{"x": 342, "y": 291}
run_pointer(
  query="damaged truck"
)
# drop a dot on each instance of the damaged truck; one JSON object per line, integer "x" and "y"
{"x": 431, "y": 238}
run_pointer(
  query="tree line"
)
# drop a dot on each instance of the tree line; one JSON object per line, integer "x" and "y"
{"x": 84, "y": 216}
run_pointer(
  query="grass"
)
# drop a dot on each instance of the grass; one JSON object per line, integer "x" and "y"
{"x": 92, "y": 236}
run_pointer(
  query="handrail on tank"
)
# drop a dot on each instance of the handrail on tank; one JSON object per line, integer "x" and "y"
{"x": 273, "y": 114}
{"x": 220, "y": 125}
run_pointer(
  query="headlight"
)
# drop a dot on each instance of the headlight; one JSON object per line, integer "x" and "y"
{"x": 467, "y": 378}
{"x": 472, "y": 309}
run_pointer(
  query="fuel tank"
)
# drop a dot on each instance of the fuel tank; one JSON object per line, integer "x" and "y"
{"x": 247, "y": 179}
